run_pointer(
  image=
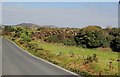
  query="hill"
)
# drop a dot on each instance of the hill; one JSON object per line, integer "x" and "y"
{"x": 30, "y": 25}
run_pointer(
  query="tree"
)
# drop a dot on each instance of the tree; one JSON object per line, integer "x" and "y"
{"x": 115, "y": 41}
{"x": 115, "y": 44}
{"x": 90, "y": 37}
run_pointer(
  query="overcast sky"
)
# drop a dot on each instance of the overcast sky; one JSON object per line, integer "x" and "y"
{"x": 61, "y": 14}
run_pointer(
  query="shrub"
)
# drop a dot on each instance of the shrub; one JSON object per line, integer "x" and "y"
{"x": 53, "y": 38}
{"x": 91, "y": 37}
{"x": 34, "y": 47}
{"x": 89, "y": 59}
{"x": 115, "y": 44}
{"x": 107, "y": 41}
{"x": 112, "y": 38}
{"x": 8, "y": 29}
{"x": 25, "y": 37}
{"x": 69, "y": 42}
{"x": 115, "y": 32}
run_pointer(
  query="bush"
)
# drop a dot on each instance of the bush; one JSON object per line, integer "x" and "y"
{"x": 112, "y": 38}
{"x": 53, "y": 38}
{"x": 91, "y": 37}
{"x": 107, "y": 41}
{"x": 8, "y": 29}
{"x": 115, "y": 32}
{"x": 115, "y": 44}
{"x": 25, "y": 37}
{"x": 34, "y": 47}
{"x": 69, "y": 42}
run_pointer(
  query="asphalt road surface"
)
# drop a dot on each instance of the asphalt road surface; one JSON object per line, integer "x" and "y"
{"x": 17, "y": 62}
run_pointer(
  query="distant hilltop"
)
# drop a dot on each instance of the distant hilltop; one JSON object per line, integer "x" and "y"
{"x": 31, "y": 25}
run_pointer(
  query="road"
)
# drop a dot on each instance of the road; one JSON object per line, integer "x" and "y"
{"x": 17, "y": 62}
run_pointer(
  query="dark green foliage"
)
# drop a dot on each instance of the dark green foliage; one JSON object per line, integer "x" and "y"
{"x": 8, "y": 29}
{"x": 69, "y": 42}
{"x": 53, "y": 38}
{"x": 115, "y": 32}
{"x": 34, "y": 47}
{"x": 22, "y": 33}
{"x": 60, "y": 39}
{"x": 25, "y": 37}
{"x": 115, "y": 44}
{"x": 107, "y": 41}
{"x": 112, "y": 38}
{"x": 90, "y": 37}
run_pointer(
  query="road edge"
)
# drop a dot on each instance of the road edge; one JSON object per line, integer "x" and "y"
{"x": 43, "y": 59}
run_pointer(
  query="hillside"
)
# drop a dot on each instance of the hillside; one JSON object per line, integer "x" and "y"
{"x": 30, "y": 25}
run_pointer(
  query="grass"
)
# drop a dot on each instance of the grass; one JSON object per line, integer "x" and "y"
{"x": 102, "y": 64}
{"x": 55, "y": 48}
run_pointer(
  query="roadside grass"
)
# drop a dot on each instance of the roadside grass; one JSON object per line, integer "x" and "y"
{"x": 56, "y": 48}
{"x": 104, "y": 57}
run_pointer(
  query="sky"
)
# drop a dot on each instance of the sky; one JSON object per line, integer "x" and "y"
{"x": 61, "y": 14}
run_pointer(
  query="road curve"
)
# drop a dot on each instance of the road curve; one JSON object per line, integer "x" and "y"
{"x": 17, "y": 62}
